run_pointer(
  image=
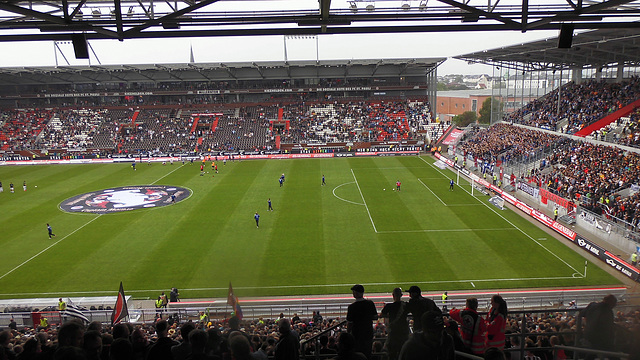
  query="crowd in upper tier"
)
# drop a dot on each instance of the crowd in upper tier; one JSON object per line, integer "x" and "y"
{"x": 239, "y": 127}
{"x": 580, "y": 104}
{"x": 579, "y": 171}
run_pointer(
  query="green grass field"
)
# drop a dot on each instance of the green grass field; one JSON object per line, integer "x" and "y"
{"x": 319, "y": 239}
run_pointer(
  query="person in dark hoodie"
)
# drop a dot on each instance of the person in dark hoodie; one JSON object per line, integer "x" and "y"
{"x": 432, "y": 343}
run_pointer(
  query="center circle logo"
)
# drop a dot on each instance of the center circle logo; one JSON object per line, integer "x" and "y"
{"x": 125, "y": 198}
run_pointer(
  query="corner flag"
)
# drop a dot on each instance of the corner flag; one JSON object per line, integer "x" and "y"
{"x": 120, "y": 310}
{"x": 232, "y": 300}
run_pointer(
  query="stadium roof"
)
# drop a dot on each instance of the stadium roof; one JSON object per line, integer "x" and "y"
{"x": 591, "y": 49}
{"x": 35, "y": 20}
{"x": 259, "y": 70}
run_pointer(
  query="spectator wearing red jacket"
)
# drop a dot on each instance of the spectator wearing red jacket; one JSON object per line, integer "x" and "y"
{"x": 472, "y": 326}
{"x": 496, "y": 323}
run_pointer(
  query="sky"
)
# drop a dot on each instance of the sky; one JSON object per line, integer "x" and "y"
{"x": 272, "y": 48}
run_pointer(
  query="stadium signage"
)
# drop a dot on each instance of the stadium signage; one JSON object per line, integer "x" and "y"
{"x": 621, "y": 266}
{"x": 564, "y": 230}
{"x": 354, "y": 88}
{"x": 526, "y": 188}
{"x": 588, "y": 246}
{"x": 277, "y": 90}
{"x": 71, "y": 95}
{"x": 125, "y": 198}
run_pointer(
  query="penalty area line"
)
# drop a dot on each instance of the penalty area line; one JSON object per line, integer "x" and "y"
{"x": 509, "y": 222}
{"x": 49, "y": 247}
{"x": 364, "y": 201}
{"x": 434, "y": 194}
{"x": 443, "y": 230}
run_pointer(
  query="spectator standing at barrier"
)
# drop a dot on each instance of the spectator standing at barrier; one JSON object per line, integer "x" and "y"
{"x": 288, "y": 346}
{"x": 13, "y": 325}
{"x": 599, "y": 329}
{"x": 496, "y": 323}
{"x": 360, "y": 315}
{"x": 634, "y": 258}
{"x": 445, "y": 297}
{"x": 62, "y": 306}
{"x": 432, "y": 342}
{"x": 158, "y": 307}
{"x": 396, "y": 321}
{"x": 165, "y": 301}
{"x": 419, "y": 305}
{"x": 174, "y": 295}
{"x": 472, "y": 326}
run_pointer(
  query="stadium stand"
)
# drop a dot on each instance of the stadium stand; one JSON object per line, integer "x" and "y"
{"x": 575, "y": 106}
{"x": 161, "y": 129}
{"x": 537, "y": 332}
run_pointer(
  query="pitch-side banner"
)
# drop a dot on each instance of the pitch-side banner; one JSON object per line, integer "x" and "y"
{"x": 453, "y": 137}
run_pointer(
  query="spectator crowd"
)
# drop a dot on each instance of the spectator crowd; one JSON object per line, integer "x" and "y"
{"x": 366, "y": 334}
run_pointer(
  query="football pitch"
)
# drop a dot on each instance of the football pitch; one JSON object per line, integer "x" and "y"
{"x": 317, "y": 240}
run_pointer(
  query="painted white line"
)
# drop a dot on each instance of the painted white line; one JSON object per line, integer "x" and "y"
{"x": 349, "y": 201}
{"x": 509, "y": 222}
{"x": 364, "y": 201}
{"x": 434, "y": 194}
{"x": 454, "y": 205}
{"x": 391, "y": 168}
{"x": 49, "y": 247}
{"x": 96, "y": 292}
{"x": 76, "y": 230}
{"x": 174, "y": 170}
{"x": 442, "y": 230}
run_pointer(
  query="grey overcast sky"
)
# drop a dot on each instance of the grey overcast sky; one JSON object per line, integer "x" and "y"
{"x": 272, "y": 48}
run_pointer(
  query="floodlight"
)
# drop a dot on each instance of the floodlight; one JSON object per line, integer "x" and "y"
{"x": 370, "y": 7}
{"x": 405, "y": 7}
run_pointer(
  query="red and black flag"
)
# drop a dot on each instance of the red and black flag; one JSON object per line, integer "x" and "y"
{"x": 232, "y": 300}
{"x": 120, "y": 310}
